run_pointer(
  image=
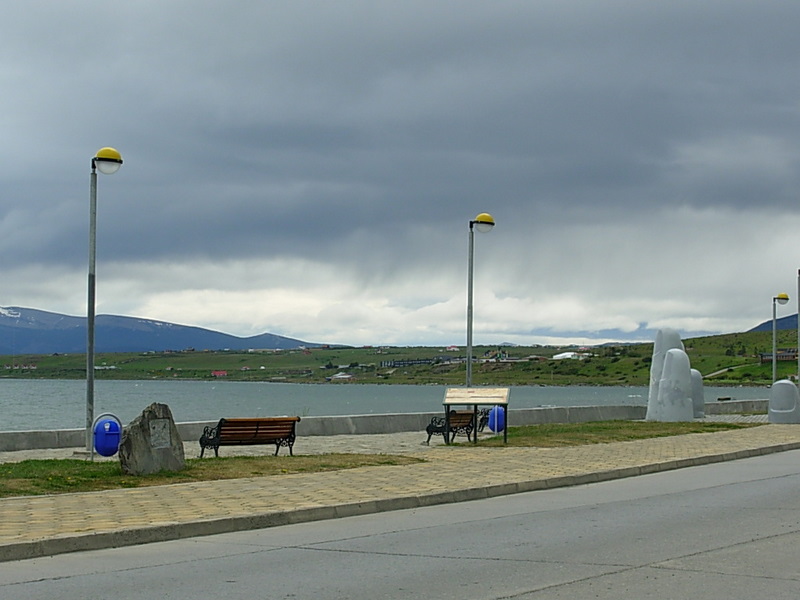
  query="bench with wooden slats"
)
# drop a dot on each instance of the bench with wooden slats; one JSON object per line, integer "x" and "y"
{"x": 462, "y": 422}
{"x": 248, "y": 432}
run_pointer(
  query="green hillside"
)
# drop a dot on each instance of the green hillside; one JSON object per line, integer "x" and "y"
{"x": 731, "y": 359}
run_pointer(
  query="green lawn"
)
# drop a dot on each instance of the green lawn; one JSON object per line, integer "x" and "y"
{"x": 554, "y": 435}
{"x": 38, "y": 477}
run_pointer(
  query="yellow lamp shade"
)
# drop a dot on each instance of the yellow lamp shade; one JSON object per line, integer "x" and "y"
{"x": 107, "y": 160}
{"x": 484, "y": 222}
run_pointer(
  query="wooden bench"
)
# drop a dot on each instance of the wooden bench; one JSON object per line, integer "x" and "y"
{"x": 461, "y": 423}
{"x": 248, "y": 432}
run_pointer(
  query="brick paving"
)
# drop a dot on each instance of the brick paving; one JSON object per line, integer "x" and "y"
{"x": 45, "y": 525}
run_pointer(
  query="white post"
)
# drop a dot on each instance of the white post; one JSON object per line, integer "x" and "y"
{"x": 90, "y": 309}
{"x": 469, "y": 305}
{"x": 774, "y": 341}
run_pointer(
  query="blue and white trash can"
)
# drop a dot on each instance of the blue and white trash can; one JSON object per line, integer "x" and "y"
{"x": 107, "y": 435}
{"x": 497, "y": 419}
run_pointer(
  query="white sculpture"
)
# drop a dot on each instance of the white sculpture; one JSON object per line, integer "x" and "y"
{"x": 698, "y": 396}
{"x": 666, "y": 340}
{"x": 674, "y": 400}
{"x": 784, "y": 402}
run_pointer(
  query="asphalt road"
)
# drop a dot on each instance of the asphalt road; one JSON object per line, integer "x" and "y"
{"x": 723, "y": 531}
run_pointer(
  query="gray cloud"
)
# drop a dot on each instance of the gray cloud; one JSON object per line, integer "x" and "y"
{"x": 310, "y": 168}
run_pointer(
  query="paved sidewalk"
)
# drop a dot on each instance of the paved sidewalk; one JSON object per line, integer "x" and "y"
{"x": 47, "y": 525}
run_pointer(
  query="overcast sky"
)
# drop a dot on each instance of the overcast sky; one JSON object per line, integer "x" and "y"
{"x": 310, "y": 168}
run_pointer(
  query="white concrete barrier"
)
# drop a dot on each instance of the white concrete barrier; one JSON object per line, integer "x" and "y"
{"x": 11, "y": 441}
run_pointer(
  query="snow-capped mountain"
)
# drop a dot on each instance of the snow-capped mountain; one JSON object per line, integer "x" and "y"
{"x": 30, "y": 331}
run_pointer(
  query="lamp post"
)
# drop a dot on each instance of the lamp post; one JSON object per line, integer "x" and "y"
{"x": 779, "y": 299}
{"x": 108, "y": 162}
{"x": 483, "y": 223}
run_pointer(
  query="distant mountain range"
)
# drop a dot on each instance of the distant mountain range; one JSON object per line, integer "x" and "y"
{"x": 789, "y": 322}
{"x": 30, "y": 331}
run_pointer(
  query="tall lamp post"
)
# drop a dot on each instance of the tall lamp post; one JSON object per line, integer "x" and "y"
{"x": 779, "y": 299}
{"x": 108, "y": 162}
{"x": 483, "y": 223}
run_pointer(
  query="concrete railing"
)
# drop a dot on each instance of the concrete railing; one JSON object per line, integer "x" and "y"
{"x": 737, "y": 407}
{"x": 11, "y": 441}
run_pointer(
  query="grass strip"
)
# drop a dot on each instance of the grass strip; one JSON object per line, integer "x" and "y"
{"x": 58, "y": 476}
{"x": 553, "y": 435}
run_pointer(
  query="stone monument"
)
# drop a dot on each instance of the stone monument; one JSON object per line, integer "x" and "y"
{"x": 151, "y": 443}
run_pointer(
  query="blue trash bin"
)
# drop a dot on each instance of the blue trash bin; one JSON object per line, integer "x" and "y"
{"x": 497, "y": 419}
{"x": 107, "y": 437}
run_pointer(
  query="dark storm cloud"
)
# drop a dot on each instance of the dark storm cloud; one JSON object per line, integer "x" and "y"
{"x": 360, "y": 137}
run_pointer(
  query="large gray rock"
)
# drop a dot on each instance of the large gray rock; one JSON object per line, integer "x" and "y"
{"x": 151, "y": 443}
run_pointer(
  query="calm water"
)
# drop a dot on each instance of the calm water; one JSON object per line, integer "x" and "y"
{"x": 48, "y": 404}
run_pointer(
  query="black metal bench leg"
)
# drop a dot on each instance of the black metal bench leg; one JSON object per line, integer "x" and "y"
{"x": 203, "y": 450}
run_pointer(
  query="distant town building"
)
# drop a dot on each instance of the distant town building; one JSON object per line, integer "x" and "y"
{"x": 572, "y": 355}
{"x": 781, "y": 354}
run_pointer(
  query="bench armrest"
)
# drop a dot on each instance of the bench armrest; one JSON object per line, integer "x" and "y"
{"x": 438, "y": 421}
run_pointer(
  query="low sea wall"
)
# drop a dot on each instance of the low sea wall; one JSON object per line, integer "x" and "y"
{"x": 737, "y": 407}
{"x": 12, "y": 441}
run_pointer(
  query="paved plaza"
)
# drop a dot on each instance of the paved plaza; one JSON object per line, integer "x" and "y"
{"x": 46, "y": 525}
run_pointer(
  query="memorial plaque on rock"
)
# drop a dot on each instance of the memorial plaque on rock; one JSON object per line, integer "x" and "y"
{"x": 160, "y": 433}
{"x": 151, "y": 443}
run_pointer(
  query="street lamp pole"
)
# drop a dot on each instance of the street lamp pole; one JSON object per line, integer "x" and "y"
{"x": 483, "y": 223}
{"x": 779, "y": 299}
{"x": 108, "y": 162}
